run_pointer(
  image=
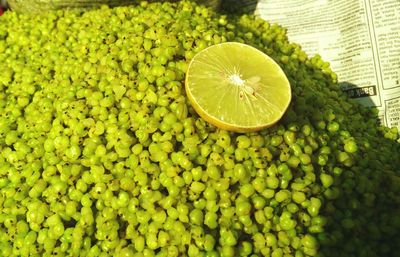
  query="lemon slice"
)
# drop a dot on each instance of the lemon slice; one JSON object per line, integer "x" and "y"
{"x": 237, "y": 87}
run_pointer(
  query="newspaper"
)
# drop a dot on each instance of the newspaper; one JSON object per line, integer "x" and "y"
{"x": 360, "y": 38}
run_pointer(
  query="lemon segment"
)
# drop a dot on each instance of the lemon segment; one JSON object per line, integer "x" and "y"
{"x": 237, "y": 87}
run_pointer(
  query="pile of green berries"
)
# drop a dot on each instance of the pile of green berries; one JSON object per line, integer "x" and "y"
{"x": 101, "y": 153}
{"x": 35, "y": 6}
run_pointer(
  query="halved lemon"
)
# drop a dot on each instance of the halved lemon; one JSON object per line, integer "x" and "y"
{"x": 237, "y": 87}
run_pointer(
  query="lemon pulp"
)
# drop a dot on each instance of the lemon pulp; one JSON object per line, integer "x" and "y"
{"x": 237, "y": 87}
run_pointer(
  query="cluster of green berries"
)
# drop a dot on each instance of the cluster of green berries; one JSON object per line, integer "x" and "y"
{"x": 101, "y": 153}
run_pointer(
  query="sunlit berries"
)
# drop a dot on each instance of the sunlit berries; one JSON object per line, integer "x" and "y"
{"x": 102, "y": 155}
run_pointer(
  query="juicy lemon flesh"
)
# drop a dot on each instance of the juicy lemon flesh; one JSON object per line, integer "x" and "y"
{"x": 237, "y": 87}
